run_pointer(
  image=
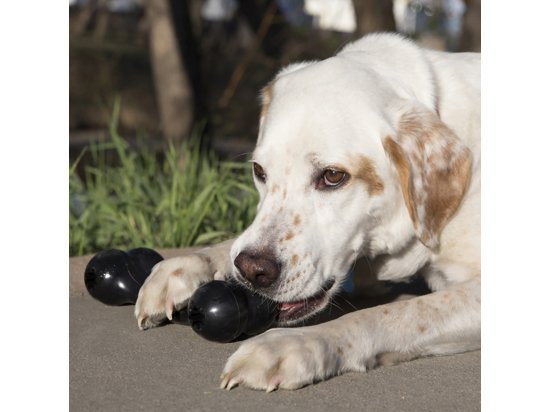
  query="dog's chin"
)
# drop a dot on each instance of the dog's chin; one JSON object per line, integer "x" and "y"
{"x": 291, "y": 313}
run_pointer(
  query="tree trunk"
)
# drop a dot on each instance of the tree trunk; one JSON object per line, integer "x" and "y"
{"x": 174, "y": 93}
{"x": 374, "y": 16}
{"x": 102, "y": 22}
{"x": 471, "y": 28}
{"x": 85, "y": 16}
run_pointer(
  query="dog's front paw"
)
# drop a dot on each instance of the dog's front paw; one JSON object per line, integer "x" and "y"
{"x": 282, "y": 358}
{"x": 168, "y": 288}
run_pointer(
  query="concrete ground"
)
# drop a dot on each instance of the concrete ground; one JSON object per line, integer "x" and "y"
{"x": 116, "y": 367}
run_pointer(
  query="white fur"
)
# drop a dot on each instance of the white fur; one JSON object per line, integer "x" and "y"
{"x": 322, "y": 114}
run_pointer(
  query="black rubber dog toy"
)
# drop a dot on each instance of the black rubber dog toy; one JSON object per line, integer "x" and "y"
{"x": 114, "y": 277}
{"x": 218, "y": 311}
{"x": 222, "y": 311}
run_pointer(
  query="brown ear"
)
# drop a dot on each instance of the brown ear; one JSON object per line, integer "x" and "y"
{"x": 266, "y": 95}
{"x": 433, "y": 166}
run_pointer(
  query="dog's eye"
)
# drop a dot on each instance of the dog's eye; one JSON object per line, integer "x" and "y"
{"x": 332, "y": 178}
{"x": 259, "y": 172}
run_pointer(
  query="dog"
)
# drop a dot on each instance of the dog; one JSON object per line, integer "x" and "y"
{"x": 374, "y": 152}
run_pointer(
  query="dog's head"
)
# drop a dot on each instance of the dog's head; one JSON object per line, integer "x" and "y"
{"x": 345, "y": 167}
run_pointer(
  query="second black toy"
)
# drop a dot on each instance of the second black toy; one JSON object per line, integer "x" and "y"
{"x": 114, "y": 277}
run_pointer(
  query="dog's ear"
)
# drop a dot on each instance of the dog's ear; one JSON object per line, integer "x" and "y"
{"x": 434, "y": 169}
{"x": 265, "y": 97}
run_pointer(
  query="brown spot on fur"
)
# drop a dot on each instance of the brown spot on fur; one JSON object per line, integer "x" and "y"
{"x": 365, "y": 171}
{"x": 177, "y": 272}
{"x": 421, "y": 305}
{"x": 445, "y": 190}
{"x": 289, "y": 235}
{"x": 294, "y": 260}
{"x": 385, "y": 311}
{"x": 339, "y": 350}
{"x": 267, "y": 95}
{"x": 421, "y": 328}
{"x": 434, "y": 171}
{"x": 274, "y": 188}
{"x": 297, "y": 220}
{"x": 399, "y": 159}
{"x": 284, "y": 193}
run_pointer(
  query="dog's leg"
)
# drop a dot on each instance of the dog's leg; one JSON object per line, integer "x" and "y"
{"x": 440, "y": 323}
{"x": 173, "y": 281}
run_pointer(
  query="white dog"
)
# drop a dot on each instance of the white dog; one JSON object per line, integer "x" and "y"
{"x": 374, "y": 152}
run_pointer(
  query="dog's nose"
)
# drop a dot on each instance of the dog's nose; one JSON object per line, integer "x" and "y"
{"x": 261, "y": 269}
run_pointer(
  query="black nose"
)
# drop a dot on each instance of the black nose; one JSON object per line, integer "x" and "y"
{"x": 261, "y": 269}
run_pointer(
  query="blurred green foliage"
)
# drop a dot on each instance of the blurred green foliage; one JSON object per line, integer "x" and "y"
{"x": 186, "y": 198}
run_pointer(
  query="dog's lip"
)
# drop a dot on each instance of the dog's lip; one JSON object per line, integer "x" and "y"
{"x": 289, "y": 311}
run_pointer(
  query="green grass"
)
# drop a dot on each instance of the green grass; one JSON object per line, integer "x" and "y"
{"x": 185, "y": 199}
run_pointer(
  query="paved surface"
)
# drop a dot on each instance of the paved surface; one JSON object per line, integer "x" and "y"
{"x": 116, "y": 367}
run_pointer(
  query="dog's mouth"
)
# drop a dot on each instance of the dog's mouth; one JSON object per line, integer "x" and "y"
{"x": 290, "y": 312}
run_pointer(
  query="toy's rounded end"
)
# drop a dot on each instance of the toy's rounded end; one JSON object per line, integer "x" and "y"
{"x": 218, "y": 312}
{"x": 107, "y": 278}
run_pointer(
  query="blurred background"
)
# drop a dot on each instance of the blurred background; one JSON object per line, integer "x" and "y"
{"x": 164, "y": 102}
{"x": 178, "y": 65}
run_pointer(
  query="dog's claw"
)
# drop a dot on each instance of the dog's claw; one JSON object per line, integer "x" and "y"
{"x": 225, "y": 379}
{"x": 229, "y": 383}
{"x": 232, "y": 384}
{"x": 168, "y": 287}
{"x": 273, "y": 385}
{"x": 147, "y": 322}
{"x": 140, "y": 322}
{"x": 168, "y": 308}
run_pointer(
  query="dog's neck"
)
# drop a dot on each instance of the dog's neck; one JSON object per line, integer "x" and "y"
{"x": 403, "y": 264}
{"x": 394, "y": 228}
{"x": 393, "y": 246}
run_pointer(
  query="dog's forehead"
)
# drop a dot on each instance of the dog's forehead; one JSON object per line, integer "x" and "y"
{"x": 312, "y": 118}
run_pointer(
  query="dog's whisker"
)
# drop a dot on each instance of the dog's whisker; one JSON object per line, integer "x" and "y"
{"x": 369, "y": 263}
{"x": 245, "y": 154}
{"x": 335, "y": 305}
{"x": 349, "y": 303}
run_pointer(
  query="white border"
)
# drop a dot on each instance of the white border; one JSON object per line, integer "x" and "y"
{"x": 515, "y": 205}
{"x": 34, "y": 214}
